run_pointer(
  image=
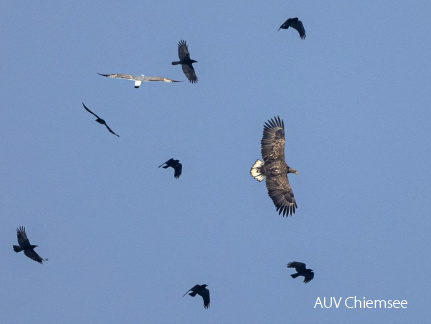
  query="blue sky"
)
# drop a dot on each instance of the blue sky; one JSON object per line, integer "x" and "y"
{"x": 125, "y": 239}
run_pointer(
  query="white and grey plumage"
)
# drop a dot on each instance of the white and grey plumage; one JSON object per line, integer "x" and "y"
{"x": 138, "y": 79}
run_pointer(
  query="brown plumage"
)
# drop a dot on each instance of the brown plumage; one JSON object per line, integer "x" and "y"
{"x": 295, "y": 23}
{"x": 274, "y": 168}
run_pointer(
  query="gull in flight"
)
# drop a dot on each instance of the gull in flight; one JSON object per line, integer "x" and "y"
{"x": 138, "y": 79}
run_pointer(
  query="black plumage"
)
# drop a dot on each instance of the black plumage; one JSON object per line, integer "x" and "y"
{"x": 274, "y": 168}
{"x": 175, "y": 164}
{"x": 186, "y": 62}
{"x": 301, "y": 270}
{"x": 202, "y": 291}
{"x": 100, "y": 120}
{"x": 24, "y": 245}
{"x": 295, "y": 23}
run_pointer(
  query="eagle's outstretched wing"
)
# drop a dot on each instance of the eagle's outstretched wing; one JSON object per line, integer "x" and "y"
{"x": 272, "y": 143}
{"x": 281, "y": 194}
{"x": 275, "y": 168}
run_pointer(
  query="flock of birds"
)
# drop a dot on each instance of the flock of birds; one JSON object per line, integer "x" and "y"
{"x": 273, "y": 168}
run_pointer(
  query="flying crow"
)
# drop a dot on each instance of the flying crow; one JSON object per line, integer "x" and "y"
{"x": 308, "y": 274}
{"x": 100, "y": 120}
{"x": 202, "y": 291}
{"x": 295, "y": 23}
{"x": 175, "y": 164}
{"x": 24, "y": 245}
{"x": 186, "y": 62}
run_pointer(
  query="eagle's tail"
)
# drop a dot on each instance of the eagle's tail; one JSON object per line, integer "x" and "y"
{"x": 256, "y": 171}
{"x": 17, "y": 248}
{"x": 294, "y": 275}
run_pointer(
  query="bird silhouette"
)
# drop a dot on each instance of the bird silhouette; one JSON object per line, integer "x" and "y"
{"x": 100, "y": 120}
{"x": 175, "y": 164}
{"x": 24, "y": 245}
{"x": 301, "y": 270}
{"x": 295, "y": 23}
{"x": 202, "y": 291}
{"x": 186, "y": 62}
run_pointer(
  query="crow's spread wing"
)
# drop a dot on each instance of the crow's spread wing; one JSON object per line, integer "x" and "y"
{"x": 299, "y": 266}
{"x": 23, "y": 241}
{"x": 189, "y": 72}
{"x": 110, "y": 130}
{"x": 287, "y": 23}
{"x": 33, "y": 255}
{"x": 178, "y": 168}
{"x": 308, "y": 277}
{"x": 183, "y": 50}
{"x": 89, "y": 110}
{"x": 193, "y": 290}
{"x": 168, "y": 163}
{"x": 297, "y": 24}
{"x": 205, "y": 293}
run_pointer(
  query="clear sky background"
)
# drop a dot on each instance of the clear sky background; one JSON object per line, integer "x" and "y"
{"x": 125, "y": 240}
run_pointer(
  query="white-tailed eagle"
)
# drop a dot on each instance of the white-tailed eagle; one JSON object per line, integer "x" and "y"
{"x": 274, "y": 168}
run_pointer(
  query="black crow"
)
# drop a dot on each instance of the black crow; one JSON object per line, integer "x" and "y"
{"x": 295, "y": 23}
{"x": 186, "y": 62}
{"x": 274, "y": 167}
{"x": 175, "y": 164}
{"x": 100, "y": 120}
{"x": 202, "y": 291}
{"x": 308, "y": 274}
{"x": 24, "y": 245}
